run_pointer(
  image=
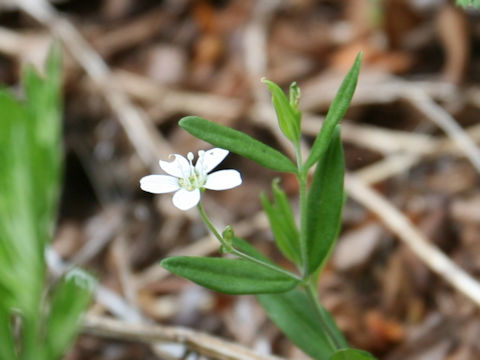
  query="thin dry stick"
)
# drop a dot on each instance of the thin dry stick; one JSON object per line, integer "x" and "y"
{"x": 141, "y": 132}
{"x": 375, "y": 138}
{"x": 441, "y": 118}
{"x": 373, "y": 88}
{"x": 413, "y": 238}
{"x": 174, "y": 101}
{"x": 398, "y": 163}
{"x": 199, "y": 342}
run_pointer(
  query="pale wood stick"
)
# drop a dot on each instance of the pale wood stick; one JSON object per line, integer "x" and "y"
{"x": 447, "y": 123}
{"x": 398, "y": 223}
{"x": 199, "y": 342}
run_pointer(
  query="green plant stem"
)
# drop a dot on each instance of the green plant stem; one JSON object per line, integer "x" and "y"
{"x": 238, "y": 252}
{"x": 209, "y": 224}
{"x": 312, "y": 295}
{"x": 267, "y": 265}
{"x": 302, "y": 177}
{"x": 311, "y": 290}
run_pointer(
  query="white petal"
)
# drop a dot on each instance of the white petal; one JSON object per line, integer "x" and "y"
{"x": 184, "y": 199}
{"x": 211, "y": 159}
{"x": 159, "y": 184}
{"x": 179, "y": 167}
{"x": 223, "y": 180}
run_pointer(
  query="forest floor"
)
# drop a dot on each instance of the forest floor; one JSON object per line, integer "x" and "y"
{"x": 134, "y": 68}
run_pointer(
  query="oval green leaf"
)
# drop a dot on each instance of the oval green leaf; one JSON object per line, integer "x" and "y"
{"x": 352, "y": 354}
{"x": 237, "y": 142}
{"x": 295, "y": 316}
{"x": 336, "y": 112}
{"x": 229, "y": 276}
{"x": 325, "y": 203}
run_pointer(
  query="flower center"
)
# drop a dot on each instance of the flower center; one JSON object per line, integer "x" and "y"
{"x": 196, "y": 177}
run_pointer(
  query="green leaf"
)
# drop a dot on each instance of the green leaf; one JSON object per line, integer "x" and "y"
{"x": 237, "y": 142}
{"x": 30, "y": 158}
{"x": 30, "y": 162}
{"x": 43, "y": 108}
{"x": 70, "y": 300}
{"x": 21, "y": 253}
{"x": 282, "y": 222}
{"x": 336, "y": 112}
{"x": 295, "y": 316}
{"x": 325, "y": 203}
{"x": 288, "y": 116}
{"x": 352, "y": 354}
{"x": 7, "y": 345}
{"x": 230, "y": 276}
{"x": 246, "y": 248}
{"x": 466, "y": 3}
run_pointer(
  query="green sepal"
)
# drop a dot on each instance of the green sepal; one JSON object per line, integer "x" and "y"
{"x": 325, "y": 203}
{"x": 227, "y": 236}
{"x": 293, "y": 313}
{"x": 288, "y": 115}
{"x": 230, "y": 276}
{"x": 282, "y": 223}
{"x": 337, "y": 110}
{"x": 352, "y": 354}
{"x": 237, "y": 142}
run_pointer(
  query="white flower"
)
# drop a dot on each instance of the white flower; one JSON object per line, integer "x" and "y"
{"x": 188, "y": 180}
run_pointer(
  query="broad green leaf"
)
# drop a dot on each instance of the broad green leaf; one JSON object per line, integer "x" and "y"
{"x": 230, "y": 276}
{"x": 237, "y": 142}
{"x": 289, "y": 118}
{"x": 282, "y": 222}
{"x": 70, "y": 300}
{"x": 324, "y": 204}
{"x": 336, "y": 112}
{"x": 352, "y": 354}
{"x": 294, "y": 315}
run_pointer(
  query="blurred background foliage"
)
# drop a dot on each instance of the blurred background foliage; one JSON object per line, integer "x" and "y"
{"x": 32, "y": 325}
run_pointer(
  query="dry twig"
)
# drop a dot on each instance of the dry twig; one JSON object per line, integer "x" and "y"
{"x": 201, "y": 343}
{"x": 413, "y": 238}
